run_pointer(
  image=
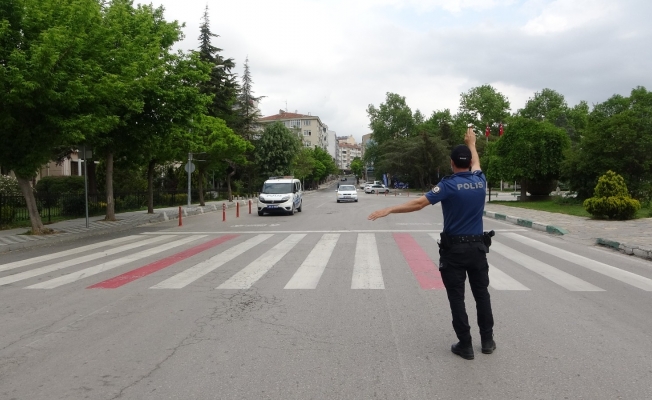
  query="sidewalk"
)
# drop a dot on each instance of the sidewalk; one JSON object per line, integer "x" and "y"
{"x": 13, "y": 239}
{"x": 631, "y": 237}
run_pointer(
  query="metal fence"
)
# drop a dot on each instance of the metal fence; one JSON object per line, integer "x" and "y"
{"x": 13, "y": 209}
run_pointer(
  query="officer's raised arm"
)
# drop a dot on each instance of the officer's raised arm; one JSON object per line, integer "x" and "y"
{"x": 469, "y": 139}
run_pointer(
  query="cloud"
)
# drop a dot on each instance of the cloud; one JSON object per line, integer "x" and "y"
{"x": 334, "y": 58}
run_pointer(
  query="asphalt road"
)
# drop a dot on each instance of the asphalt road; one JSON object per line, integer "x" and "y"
{"x": 320, "y": 305}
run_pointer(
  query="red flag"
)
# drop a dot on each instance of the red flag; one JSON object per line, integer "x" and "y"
{"x": 487, "y": 131}
{"x": 500, "y": 129}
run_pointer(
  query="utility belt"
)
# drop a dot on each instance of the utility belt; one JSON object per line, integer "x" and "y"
{"x": 447, "y": 241}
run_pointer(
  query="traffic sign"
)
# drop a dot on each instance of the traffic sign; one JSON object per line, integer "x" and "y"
{"x": 191, "y": 166}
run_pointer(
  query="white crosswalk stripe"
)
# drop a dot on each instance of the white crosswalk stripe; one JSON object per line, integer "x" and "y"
{"x": 366, "y": 270}
{"x": 596, "y": 266}
{"x": 254, "y": 271}
{"x": 191, "y": 274}
{"x": 310, "y": 272}
{"x": 96, "y": 269}
{"x": 65, "y": 264}
{"x": 77, "y": 250}
{"x": 501, "y": 281}
{"x": 558, "y": 276}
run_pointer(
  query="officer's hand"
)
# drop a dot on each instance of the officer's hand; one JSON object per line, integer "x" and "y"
{"x": 469, "y": 137}
{"x": 378, "y": 214}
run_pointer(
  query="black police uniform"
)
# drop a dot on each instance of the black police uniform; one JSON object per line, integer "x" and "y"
{"x": 463, "y": 249}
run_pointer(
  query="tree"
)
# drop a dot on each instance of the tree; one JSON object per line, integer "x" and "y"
{"x": 482, "y": 106}
{"x": 356, "y": 168}
{"x": 618, "y": 138}
{"x": 276, "y": 149}
{"x": 246, "y": 120}
{"x": 303, "y": 164}
{"x": 545, "y": 105}
{"x": 222, "y": 149}
{"x": 44, "y": 78}
{"x": 131, "y": 55}
{"x": 531, "y": 152}
{"x": 168, "y": 114}
{"x": 392, "y": 119}
{"x": 222, "y": 84}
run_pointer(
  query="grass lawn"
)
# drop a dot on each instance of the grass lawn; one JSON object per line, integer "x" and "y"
{"x": 555, "y": 207}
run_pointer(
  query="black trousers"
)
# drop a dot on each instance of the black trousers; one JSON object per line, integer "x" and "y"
{"x": 454, "y": 264}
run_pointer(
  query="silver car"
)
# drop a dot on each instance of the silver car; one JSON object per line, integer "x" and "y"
{"x": 347, "y": 193}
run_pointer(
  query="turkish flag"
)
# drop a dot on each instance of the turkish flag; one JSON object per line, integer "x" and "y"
{"x": 487, "y": 131}
{"x": 500, "y": 129}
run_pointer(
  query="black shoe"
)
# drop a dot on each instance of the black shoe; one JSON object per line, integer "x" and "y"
{"x": 465, "y": 352}
{"x": 488, "y": 347}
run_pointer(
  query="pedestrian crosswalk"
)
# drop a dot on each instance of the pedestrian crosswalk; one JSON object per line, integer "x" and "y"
{"x": 247, "y": 259}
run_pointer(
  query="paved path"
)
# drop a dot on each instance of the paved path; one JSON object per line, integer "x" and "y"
{"x": 632, "y": 237}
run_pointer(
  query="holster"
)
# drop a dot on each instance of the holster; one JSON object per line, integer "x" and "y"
{"x": 486, "y": 238}
{"x": 444, "y": 242}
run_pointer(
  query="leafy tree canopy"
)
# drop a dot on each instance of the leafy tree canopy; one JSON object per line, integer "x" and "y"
{"x": 392, "y": 119}
{"x": 276, "y": 150}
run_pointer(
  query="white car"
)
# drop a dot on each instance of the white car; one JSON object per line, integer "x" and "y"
{"x": 347, "y": 193}
{"x": 378, "y": 188}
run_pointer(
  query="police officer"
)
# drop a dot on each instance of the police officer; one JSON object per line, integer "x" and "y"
{"x": 463, "y": 246}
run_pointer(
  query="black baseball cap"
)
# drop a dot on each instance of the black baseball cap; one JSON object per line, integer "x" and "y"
{"x": 461, "y": 156}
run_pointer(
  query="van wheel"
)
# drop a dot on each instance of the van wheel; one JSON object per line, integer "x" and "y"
{"x": 291, "y": 212}
{"x": 300, "y": 205}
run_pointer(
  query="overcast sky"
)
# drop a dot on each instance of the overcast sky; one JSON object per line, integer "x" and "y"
{"x": 333, "y": 58}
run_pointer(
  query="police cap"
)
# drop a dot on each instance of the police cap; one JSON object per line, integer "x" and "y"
{"x": 461, "y": 156}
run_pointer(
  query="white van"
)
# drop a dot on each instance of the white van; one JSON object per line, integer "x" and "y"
{"x": 280, "y": 194}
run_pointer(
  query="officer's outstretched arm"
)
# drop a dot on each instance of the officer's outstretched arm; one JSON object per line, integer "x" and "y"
{"x": 413, "y": 205}
{"x": 469, "y": 139}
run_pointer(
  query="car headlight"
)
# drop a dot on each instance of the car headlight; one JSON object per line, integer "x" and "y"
{"x": 260, "y": 198}
{"x": 285, "y": 198}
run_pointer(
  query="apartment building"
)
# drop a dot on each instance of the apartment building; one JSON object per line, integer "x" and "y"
{"x": 312, "y": 131}
{"x": 347, "y": 152}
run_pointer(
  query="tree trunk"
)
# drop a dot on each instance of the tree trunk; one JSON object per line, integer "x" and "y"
{"x": 110, "y": 203}
{"x": 30, "y": 201}
{"x": 150, "y": 186}
{"x": 228, "y": 185}
{"x": 200, "y": 187}
{"x": 523, "y": 190}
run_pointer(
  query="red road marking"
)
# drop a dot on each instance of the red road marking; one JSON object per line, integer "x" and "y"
{"x": 422, "y": 267}
{"x": 131, "y": 276}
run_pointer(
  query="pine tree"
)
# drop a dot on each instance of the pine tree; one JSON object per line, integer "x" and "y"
{"x": 222, "y": 84}
{"x": 247, "y": 106}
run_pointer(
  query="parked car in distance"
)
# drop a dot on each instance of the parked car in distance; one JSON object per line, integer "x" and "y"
{"x": 365, "y": 184}
{"x": 377, "y": 188}
{"x": 347, "y": 193}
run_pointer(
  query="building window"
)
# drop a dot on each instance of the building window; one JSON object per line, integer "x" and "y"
{"x": 307, "y": 133}
{"x": 306, "y": 122}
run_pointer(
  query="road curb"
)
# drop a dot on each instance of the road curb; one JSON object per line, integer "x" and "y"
{"x": 552, "y": 229}
{"x": 632, "y": 250}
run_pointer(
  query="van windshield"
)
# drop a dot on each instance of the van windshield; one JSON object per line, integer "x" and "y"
{"x": 277, "y": 188}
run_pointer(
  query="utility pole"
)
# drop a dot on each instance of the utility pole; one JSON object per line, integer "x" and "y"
{"x": 189, "y": 169}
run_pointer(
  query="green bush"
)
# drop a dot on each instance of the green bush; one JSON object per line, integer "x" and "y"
{"x": 7, "y": 214}
{"x": 61, "y": 184}
{"x": 73, "y": 206}
{"x": 611, "y": 199}
{"x": 9, "y": 186}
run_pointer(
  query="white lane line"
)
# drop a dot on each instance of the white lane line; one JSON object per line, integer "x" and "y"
{"x": 501, "y": 281}
{"x": 549, "y": 272}
{"x": 366, "y": 268}
{"x": 96, "y": 269}
{"x": 321, "y": 205}
{"x": 69, "y": 263}
{"x": 254, "y": 271}
{"x": 184, "y": 278}
{"x": 50, "y": 257}
{"x": 309, "y": 273}
{"x": 596, "y": 266}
